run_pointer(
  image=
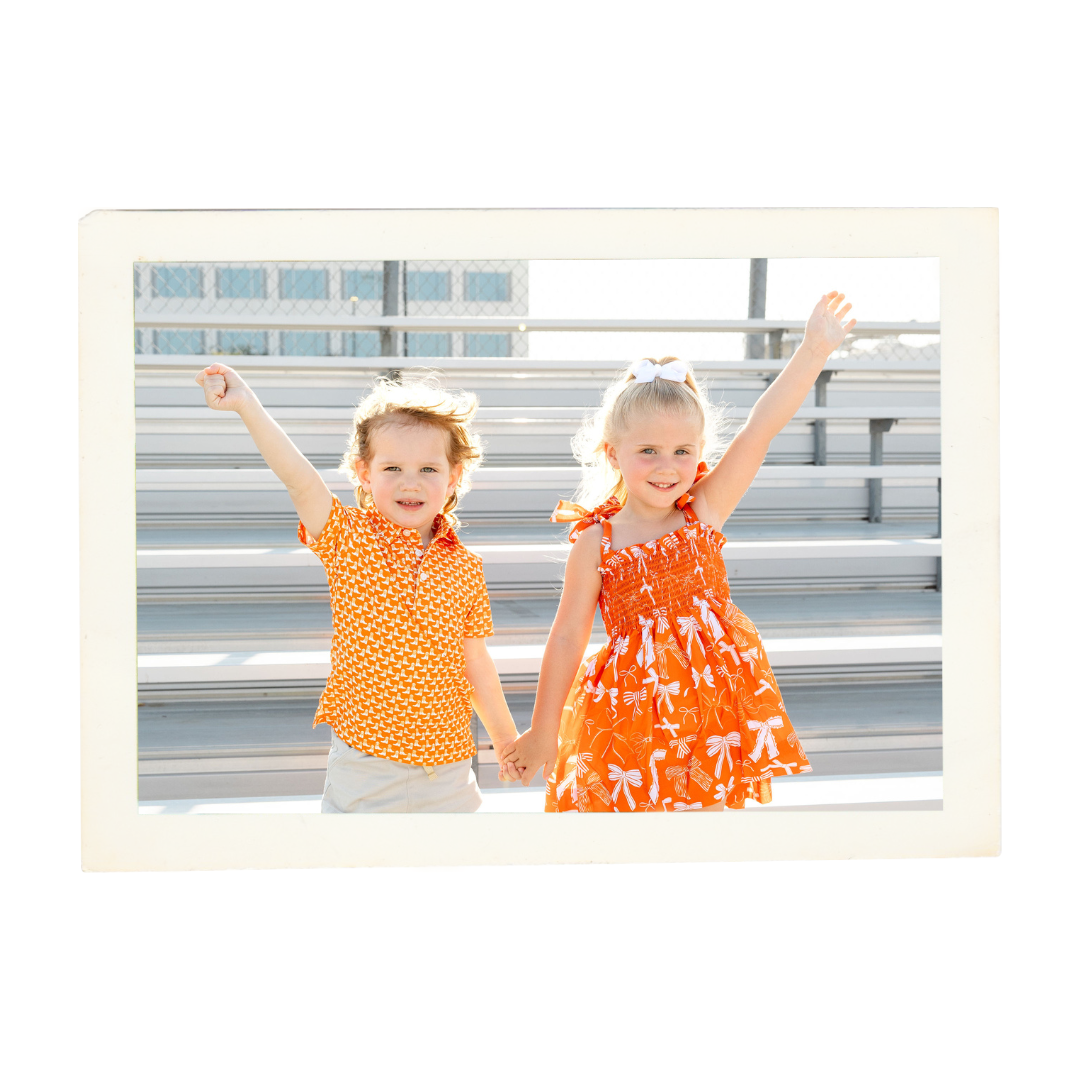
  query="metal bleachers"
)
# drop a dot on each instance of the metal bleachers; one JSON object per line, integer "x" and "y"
{"x": 837, "y": 562}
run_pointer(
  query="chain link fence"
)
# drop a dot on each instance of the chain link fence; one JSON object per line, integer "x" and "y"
{"x": 249, "y": 291}
{"x": 898, "y": 347}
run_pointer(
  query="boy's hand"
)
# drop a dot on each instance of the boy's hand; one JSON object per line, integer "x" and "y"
{"x": 825, "y": 328}
{"x": 529, "y": 753}
{"x": 506, "y": 771}
{"x": 224, "y": 389}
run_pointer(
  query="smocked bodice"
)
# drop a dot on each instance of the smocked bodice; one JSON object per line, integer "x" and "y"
{"x": 663, "y": 579}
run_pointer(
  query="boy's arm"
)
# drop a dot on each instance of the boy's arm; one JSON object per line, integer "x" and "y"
{"x": 726, "y": 484}
{"x": 538, "y": 747}
{"x": 226, "y": 391}
{"x": 488, "y": 699}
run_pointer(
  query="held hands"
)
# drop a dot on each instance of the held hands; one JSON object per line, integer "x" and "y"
{"x": 507, "y": 771}
{"x": 224, "y": 389}
{"x": 527, "y": 754}
{"x": 825, "y": 329}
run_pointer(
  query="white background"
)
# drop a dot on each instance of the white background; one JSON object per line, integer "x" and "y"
{"x": 928, "y": 968}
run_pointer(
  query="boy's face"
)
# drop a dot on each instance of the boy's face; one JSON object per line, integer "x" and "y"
{"x": 409, "y": 475}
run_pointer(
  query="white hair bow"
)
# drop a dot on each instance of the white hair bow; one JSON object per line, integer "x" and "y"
{"x": 646, "y": 371}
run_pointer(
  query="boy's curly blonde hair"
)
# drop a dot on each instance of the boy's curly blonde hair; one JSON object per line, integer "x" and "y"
{"x": 627, "y": 399}
{"x": 416, "y": 399}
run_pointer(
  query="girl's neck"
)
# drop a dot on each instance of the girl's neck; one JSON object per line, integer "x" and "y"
{"x": 639, "y": 512}
{"x": 630, "y": 526}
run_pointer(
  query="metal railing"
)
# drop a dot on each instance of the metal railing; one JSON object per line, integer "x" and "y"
{"x": 521, "y": 324}
{"x": 411, "y": 310}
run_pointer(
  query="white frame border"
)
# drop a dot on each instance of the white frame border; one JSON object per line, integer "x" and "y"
{"x": 115, "y": 836}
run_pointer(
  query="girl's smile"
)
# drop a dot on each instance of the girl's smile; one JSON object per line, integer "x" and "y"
{"x": 658, "y": 456}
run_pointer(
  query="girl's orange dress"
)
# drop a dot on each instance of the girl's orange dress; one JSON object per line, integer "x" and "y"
{"x": 679, "y": 710}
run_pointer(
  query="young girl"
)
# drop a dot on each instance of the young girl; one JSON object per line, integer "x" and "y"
{"x": 410, "y": 608}
{"x": 679, "y": 710}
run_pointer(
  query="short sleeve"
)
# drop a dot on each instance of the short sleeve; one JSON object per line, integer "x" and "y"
{"x": 478, "y": 618}
{"x": 329, "y": 542}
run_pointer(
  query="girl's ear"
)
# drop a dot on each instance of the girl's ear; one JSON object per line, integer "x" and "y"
{"x": 609, "y": 452}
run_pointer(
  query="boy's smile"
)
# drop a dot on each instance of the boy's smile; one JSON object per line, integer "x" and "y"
{"x": 409, "y": 476}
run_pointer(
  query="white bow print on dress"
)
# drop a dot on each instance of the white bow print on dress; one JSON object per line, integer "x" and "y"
{"x": 765, "y": 740}
{"x": 618, "y": 648}
{"x": 623, "y": 780}
{"x": 654, "y": 787}
{"x": 749, "y": 656}
{"x": 647, "y": 371}
{"x": 604, "y": 691}
{"x": 646, "y": 656}
{"x": 635, "y": 698}
{"x": 722, "y": 744}
{"x": 664, "y": 693}
{"x": 708, "y": 617}
{"x": 705, "y": 676}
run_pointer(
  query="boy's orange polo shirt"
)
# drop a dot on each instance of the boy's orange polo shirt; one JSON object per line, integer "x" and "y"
{"x": 397, "y": 687}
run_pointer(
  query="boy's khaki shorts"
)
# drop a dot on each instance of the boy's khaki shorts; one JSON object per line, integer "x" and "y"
{"x": 359, "y": 783}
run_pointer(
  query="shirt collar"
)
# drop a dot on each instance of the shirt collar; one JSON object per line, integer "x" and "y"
{"x": 392, "y": 533}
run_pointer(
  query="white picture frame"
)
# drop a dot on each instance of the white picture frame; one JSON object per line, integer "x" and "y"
{"x": 116, "y": 837}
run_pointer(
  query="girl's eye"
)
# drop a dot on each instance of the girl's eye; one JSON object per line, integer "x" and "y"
{"x": 682, "y": 451}
{"x": 391, "y": 468}
{"x": 648, "y": 450}
{"x": 429, "y": 468}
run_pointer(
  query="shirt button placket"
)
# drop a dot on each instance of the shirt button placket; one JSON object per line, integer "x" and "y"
{"x": 418, "y": 561}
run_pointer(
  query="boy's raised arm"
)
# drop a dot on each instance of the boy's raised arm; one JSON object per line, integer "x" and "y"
{"x": 226, "y": 391}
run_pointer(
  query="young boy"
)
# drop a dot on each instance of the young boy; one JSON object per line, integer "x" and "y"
{"x": 410, "y": 608}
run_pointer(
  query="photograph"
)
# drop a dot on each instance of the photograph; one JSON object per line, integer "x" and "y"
{"x": 448, "y": 526}
{"x": 749, "y": 448}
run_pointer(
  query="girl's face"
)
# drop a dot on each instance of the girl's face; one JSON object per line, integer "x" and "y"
{"x": 658, "y": 457}
{"x": 409, "y": 475}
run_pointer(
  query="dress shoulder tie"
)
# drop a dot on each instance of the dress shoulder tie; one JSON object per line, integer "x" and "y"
{"x": 570, "y": 511}
{"x": 683, "y": 501}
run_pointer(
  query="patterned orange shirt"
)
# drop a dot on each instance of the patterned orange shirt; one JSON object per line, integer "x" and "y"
{"x": 397, "y": 687}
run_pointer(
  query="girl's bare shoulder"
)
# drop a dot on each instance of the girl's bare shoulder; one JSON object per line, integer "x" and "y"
{"x": 587, "y": 542}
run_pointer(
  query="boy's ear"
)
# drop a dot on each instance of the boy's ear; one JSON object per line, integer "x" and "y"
{"x": 363, "y": 473}
{"x": 455, "y": 474}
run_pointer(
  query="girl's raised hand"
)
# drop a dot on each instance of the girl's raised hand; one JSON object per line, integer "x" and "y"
{"x": 825, "y": 328}
{"x": 223, "y": 388}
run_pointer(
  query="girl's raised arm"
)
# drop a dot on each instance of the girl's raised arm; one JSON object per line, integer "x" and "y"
{"x": 725, "y": 485}
{"x": 225, "y": 390}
